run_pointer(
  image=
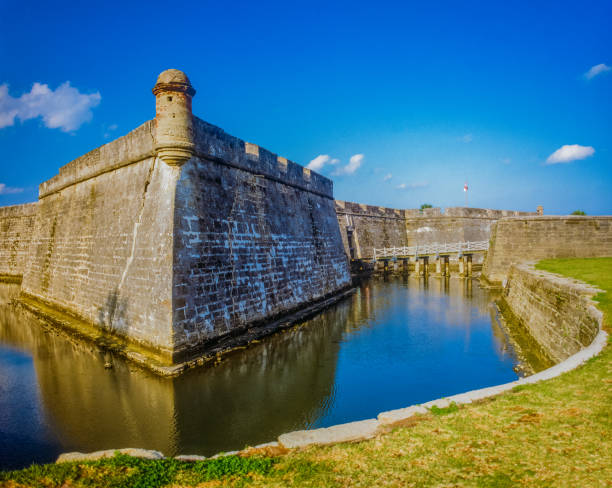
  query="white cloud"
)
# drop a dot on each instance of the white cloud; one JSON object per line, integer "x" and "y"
{"x": 7, "y": 190}
{"x": 353, "y": 165}
{"x": 387, "y": 177}
{"x": 317, "y": 163}
{"x": 569, "y": 153}
{"x": 64, "y": 108}
{"x": 466, "y": 138}
{"x": 411, "y": 186}
{"x": 596, "y": 70}
{"x": 113, "y": 127}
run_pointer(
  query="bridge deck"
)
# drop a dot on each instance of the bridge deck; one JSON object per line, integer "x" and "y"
{"x": 468, "y": 247}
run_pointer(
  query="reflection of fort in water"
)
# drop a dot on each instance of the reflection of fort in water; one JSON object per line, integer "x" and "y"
{"x": 284, "y": 383}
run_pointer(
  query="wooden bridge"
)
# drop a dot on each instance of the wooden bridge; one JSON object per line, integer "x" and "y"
{"x": 435, "y": 249}
{"x": 421, "y": 254}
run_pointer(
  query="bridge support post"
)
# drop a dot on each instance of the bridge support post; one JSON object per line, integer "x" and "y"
{"x": 405, "y": 266}
{"x": 438, "y": 265}
{"x": 417, "y": 267}
{"x": 425, "y": 266}
{"x": 446, "y": 265}
{"x": 462, "y": 266}
{"x": 469, "y": 265}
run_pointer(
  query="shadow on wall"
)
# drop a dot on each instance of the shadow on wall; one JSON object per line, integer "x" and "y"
{"x": 113, "y": 315}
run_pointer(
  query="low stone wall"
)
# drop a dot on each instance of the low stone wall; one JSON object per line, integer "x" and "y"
{"x": 558, "y": 313}
{"x": 16, "y": 226}
{"x": 520, "y": 239}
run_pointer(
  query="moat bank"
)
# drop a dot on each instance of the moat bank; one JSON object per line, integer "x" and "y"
{"x": 393, "y": 343}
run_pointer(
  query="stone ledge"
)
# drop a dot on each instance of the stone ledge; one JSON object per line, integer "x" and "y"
{"x": 69, "y": 457}
{"x": 352, "y": 431}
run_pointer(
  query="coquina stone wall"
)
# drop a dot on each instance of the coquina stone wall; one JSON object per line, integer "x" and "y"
{"x": 365, "y": 227}
{"x": 255, "y": 236}
{"x": 558, "y": 312}
{"x": 16, "y": 225}
{"x": 515, "y": 240}
{"x": 103, "y": 238}
{"x": 178, "y": 234}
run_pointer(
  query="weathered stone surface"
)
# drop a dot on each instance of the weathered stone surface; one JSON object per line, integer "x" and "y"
{"x": 394, "y": 416}
{"x": 190, "y": 458}
{"x": 521, "y": 239}
{"x": 368, "y": 227}
{"x": 93, "y": 456}
{"x": 224, "y": 454}
{"x": 102, "y": 249}
{"x": 557, "y": 312}
{"x": 269, "y": 244}
{"x": 266, "y": 444}
{"x": 173, "y": 257}
{"x": 353, "y": 431}
{"x": 440, "y": 403}
{"x": 16, "y": 226}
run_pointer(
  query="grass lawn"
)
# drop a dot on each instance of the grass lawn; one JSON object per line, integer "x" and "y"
{"x": 555, "y": 434}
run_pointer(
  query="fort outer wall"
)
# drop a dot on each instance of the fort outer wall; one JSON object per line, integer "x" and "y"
{"x": 365, "y": 227}
{"x": 16, "y": 225}
{"x": 516, "y": 240}
{"x": 178, "y": 234}
{"x": 255, "y": 236}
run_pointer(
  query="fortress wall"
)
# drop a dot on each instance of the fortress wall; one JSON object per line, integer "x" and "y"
{"x": 133, "y": 147}
{"x": 386, "y": 227}
{"x": 102, "y": 241}
{"x": 557, "y": 312}
{"x": 255, "y": 237}
{"x": 519, "y": 239}
{"x": 16, "y": 225}
{"x": 371, "y": 227}
{"x": 484, "y": 213}
{"x": 214, "y": 144}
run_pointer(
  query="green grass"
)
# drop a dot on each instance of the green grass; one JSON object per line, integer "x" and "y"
{"x": 452, "y": 408}
{"x": 123, "y": 471}
{"x": 552, "y": 434}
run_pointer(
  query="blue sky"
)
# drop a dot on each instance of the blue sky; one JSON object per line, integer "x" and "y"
{"x": 431, "y": 93}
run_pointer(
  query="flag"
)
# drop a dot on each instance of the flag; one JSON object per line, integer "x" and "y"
{"x": 465, "y": 186}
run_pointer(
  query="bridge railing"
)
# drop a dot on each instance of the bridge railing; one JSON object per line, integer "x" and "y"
{"x": 428, "y": 249}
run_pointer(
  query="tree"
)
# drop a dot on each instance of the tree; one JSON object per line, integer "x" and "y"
{"x": 578, "y": 212}
{"x": 426, "y": 205}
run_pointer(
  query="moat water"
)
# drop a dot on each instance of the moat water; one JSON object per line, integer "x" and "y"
{"x": 391, "y": 344}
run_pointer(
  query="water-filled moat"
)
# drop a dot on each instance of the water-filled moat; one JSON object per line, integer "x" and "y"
{"x": 392, "y": 344}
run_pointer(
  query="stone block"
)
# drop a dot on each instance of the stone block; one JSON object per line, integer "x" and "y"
{"x": 94, "y": 456}
{"x": 353, "y": 431}
{"x": 400, "y": 414}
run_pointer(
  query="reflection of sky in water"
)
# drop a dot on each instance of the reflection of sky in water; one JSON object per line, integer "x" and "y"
{"x": 413, "y": 344}
{"x": 390, "y": 345}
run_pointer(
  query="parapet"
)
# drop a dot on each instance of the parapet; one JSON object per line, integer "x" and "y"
{"x": 483, "y": 213}
{"x": 362, "y": 209}
{"x": 131, "y": 148}
{"x": 215, "y": 144}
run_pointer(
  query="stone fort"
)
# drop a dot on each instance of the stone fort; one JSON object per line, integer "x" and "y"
{"x": 178, "y": 236}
